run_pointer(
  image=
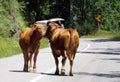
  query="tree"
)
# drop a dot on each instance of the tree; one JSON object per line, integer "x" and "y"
{"x": 79, "y": 14}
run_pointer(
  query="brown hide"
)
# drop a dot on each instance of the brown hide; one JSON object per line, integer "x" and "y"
{"x": 64, "y": 42}
{"x": 30, "y": 42}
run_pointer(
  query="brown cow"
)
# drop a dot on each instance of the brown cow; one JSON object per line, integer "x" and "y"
{"x": 63, "y": 42}
{"x": 30, "y": 42}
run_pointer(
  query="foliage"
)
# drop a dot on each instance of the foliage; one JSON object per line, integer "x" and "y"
{"x": 79, "y": 14}
{"x": 44, "y": 9}
{"x": 109, "y": 10}
{"x": 111, "y": 16}
{"x": 11, "y": 17}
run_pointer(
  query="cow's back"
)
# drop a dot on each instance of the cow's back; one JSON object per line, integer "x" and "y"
{"x": 65, "y": 39}
{"x": 60, "y": 39}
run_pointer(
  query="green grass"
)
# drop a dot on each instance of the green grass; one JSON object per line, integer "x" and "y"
{"x": 104, "y": 34}
{"x": 116, "y": 36}
{"x": 10, "y": 46}
{"x": 44, "y": 43}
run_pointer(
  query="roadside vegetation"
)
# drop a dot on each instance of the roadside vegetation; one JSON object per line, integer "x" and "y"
{"x": 10, "y": 46}
{"x": 78, "y": 14}
{"x": 104, "y": 34}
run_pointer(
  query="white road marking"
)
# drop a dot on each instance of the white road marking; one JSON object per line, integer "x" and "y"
{"x": 88, "y": 45}
{"x": 41, "y": 76}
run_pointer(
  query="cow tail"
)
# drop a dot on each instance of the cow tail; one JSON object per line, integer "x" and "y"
{"x": 74, "y": 41}
{"x": 71, "y": 44}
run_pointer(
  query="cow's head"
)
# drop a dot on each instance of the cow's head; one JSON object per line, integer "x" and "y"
{"x": 38, "y": 28}
{"x": 51, "y": 27}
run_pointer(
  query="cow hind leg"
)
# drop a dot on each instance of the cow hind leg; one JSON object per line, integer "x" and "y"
{"x": 35, "y": 59}
{"x": 57, "y": 68}
{"x": 26, "y": 59}
{"x": 64, "y": 57}
{"x": 71, "y": 59}
{"x": 31, "y": 54}
{"x": 63, "y": 66}
{"x": 71, "y": 65}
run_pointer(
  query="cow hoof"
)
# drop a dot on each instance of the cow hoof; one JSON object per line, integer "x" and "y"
{"x": 56, "y": 73}
{"x": 62, "y": 73}
{"x": 25, "y": 70}
{"x": 71, "y": 74}
{"x": 34, "y": 70}
{"x": 30, "y": 69}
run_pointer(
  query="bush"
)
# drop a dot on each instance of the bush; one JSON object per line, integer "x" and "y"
{"x": 8, "y": 46}
{"x": 11, "y": 17}
{"x": 85, "y": 28}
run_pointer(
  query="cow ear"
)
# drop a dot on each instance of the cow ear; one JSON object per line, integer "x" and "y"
{"x": 34, "y": 26}
{"x": 52, "y": 26}
{"x": 57, "y": 25}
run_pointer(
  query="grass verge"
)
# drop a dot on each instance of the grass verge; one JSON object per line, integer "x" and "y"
{"x": 10, "y": 46}
{"x": 104, "y": 34}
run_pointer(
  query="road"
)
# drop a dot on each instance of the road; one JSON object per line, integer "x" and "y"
{"x": 97, "y": 60}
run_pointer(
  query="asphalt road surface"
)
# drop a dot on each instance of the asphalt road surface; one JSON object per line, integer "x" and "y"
{"x": 97, "y": 60}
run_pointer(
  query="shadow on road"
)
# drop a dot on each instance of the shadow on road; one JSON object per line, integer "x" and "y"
{"x": 105, "y": 40}
{"x": 21, "y": 71}
{"x": 103, "y": 50}
{"x": 105, "y": 53}
{"x": 16, "y": 71}
{"x": 112, "y": 59}
{"x": 51, "y": 74}
{"x": 107, "y": 75}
